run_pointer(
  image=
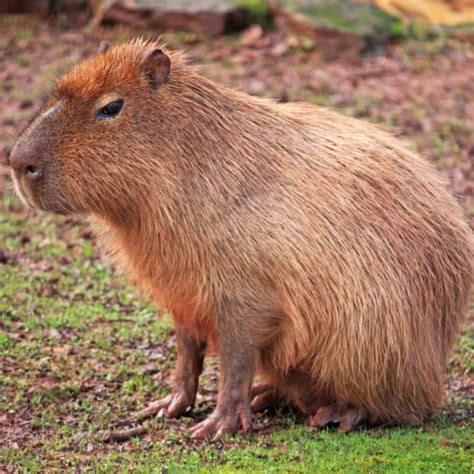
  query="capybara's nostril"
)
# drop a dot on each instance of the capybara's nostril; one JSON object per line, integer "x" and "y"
{"x": 24, "y": 165}
{"x": 29, "y": 166}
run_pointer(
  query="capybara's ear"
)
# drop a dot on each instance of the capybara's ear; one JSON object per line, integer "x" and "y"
{"x": 156, "y": 67}
{"x": 103, "y": 47}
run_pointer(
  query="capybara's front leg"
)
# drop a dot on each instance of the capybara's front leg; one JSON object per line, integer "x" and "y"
{"x": 237, "y": 367}
{"x": 188, "y": 368}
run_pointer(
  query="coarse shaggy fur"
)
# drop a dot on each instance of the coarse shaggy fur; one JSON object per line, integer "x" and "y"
{"x": 320, "y": 242}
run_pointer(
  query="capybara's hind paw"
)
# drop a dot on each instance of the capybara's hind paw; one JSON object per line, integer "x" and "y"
{"x": 346, "y": 418}
{"x": 264, "y": 395}
{"x": 170, "y": 407}
{"x": 224, "y": 421}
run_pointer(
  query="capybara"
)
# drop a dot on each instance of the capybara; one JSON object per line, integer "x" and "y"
{"x": 308, "y": 248}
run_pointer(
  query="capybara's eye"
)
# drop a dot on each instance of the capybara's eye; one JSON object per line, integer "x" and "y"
{"x": 110, "y": 110}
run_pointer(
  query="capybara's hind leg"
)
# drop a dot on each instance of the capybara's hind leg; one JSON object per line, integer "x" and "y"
{"x": 346, "y": 418}
{"x": 265, "y": 395}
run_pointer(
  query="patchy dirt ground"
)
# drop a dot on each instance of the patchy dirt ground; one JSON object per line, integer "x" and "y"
{"x": 81, "y": 350}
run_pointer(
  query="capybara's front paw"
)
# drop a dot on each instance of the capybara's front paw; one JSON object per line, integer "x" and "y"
{"x": 171, "y": 406}
{"x": 225, "y": 420}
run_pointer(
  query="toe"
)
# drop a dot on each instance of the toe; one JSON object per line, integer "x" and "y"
{"x": 178, "y": 405}
{"x": 347, "y": 418}
{"x": 350, "y": 420}
{"x": 153, "y": 408}
{"x": 264, "y": 396}
{"x": 204, "y": 429}
{"x": 324, "y": 416}
{"x": 261, "y": 387}
{"x": 262, "y": 401}
{"x": 223, "y": 422}
{"x": 245, "y": 416}
{"x": 224, "y": 429}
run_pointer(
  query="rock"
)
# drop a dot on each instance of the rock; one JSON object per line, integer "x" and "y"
{"x": 213, "y": 22}
{"x": 331, "y": 42}
{"x": 367, "y": 25}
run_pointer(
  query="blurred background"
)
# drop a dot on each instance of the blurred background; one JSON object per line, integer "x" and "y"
{"x": 80, "y": 349}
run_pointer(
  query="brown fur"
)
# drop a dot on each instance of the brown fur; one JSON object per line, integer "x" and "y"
{"x": 319, "y": 244}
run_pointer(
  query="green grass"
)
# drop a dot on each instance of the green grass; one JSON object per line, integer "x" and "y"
{"x": 81, "y": 350}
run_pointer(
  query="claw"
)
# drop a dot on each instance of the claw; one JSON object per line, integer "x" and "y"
{"x": 170, "y": 406}
{"x": 203, "y": 429}
{"x": 224, "y": 421}
{"x": 153, "y": 408}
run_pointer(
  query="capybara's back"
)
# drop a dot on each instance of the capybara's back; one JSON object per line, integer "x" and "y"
{"x": 309, "y": 247}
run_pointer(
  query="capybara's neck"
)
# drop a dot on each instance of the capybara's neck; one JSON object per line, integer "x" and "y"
{"x": 200, "y": 155}
{"x": 208, "y": 157}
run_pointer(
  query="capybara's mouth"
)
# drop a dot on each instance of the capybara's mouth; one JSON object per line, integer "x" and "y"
{"x": 36, "y": 199}
{"x": 22, "y": 191}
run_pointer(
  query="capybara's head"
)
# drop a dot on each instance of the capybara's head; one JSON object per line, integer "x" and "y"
{"x": 91, "y": 139}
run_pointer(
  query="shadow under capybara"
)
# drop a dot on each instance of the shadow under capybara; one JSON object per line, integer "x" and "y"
{"x": 312, "y": 249}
